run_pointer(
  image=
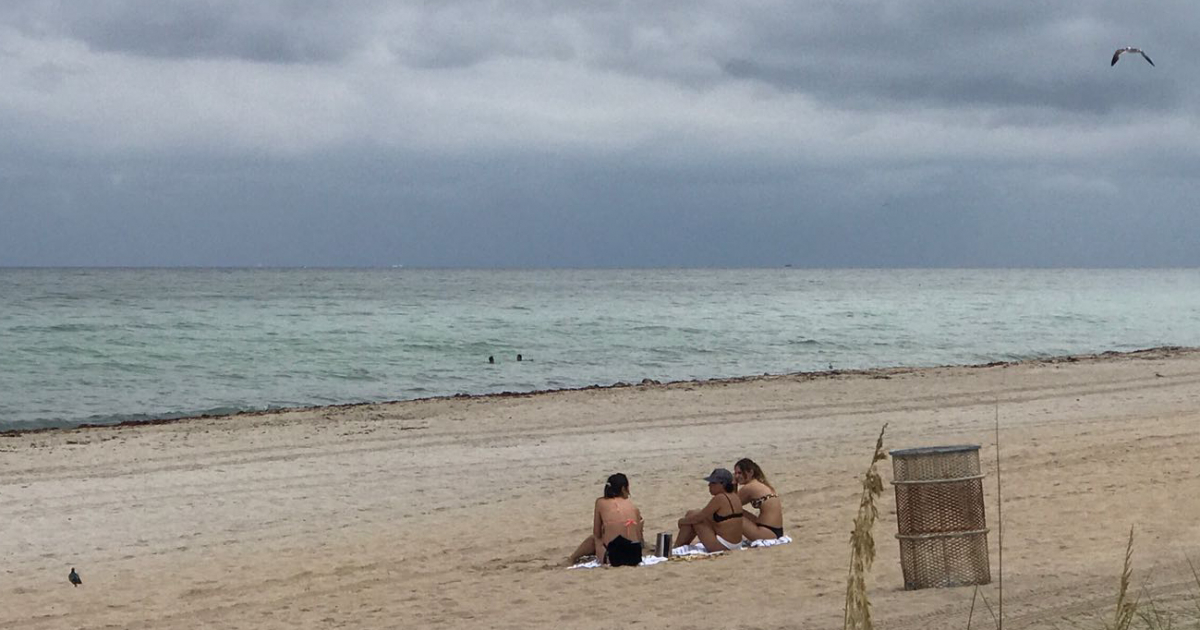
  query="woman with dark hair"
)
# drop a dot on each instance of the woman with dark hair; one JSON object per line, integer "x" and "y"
{"x": 760, "y": 494}
{"x": 719, "y": 524}
{"x": 616, "y": 527}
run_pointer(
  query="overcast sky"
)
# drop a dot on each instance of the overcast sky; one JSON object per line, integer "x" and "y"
{"x": 836, "y": 133}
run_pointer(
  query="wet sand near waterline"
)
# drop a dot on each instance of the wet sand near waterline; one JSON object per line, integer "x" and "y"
{"x": 458, "y": 512}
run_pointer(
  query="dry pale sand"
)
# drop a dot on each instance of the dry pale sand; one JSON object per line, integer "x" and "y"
{"x": 459, "y": 512}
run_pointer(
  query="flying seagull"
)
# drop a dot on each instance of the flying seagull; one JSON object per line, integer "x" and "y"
{"x": 74, "y": 577}
{"x": 1129, "y": 49}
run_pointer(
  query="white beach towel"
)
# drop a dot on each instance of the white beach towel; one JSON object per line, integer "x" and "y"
{"x": 647, "y": 561}
{"x": 688, "y": 550}
{"x": 696, "y": 549}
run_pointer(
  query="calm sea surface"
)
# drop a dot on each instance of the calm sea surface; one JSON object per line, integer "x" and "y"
{"x": 105, "y": 345}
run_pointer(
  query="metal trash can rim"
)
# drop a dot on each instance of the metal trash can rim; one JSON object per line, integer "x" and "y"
{"x": 933, "y": 450}
{"x": 918, "y": 482}
{"x": 931, "y": 535}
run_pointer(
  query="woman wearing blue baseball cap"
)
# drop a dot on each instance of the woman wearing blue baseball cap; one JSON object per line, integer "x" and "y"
{"x": 719, "y": 524}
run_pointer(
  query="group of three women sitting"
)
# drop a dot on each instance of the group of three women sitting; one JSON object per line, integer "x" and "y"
{"x": 617, "y": 525}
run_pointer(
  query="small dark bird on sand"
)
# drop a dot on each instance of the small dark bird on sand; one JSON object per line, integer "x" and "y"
{"x": 1129, "y": 49}
{"x": 74, "y": 577}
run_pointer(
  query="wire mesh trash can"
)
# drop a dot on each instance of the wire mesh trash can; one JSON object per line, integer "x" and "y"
{"x": 939, "y": 513}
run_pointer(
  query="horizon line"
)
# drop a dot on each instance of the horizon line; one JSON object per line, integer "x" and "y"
{"x": 588, "y": 268}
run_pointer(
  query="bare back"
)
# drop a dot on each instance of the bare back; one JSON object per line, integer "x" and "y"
{"x": 762, "y": 498}
{"x": 617, "y": 516}
{"x": 726, "y": 516}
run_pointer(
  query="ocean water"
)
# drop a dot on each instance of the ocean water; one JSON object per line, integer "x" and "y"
{"x": 106, "y": 345}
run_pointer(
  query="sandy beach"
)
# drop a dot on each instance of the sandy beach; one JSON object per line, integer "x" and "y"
{"x": 460, "y": 512}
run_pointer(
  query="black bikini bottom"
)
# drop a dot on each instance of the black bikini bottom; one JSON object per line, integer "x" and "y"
{"x": 623, "y": 552}
{"x": 777, "y": 530}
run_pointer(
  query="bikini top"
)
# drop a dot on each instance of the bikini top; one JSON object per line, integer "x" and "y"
{"x": 717, "y": 518}
{"x": 629, "y": 521}
{"x": 757, "y": 503}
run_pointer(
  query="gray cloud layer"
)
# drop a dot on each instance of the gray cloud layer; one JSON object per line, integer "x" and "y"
{"x": 914, "y": 133}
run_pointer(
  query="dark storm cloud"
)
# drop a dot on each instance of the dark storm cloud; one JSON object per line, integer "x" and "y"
{"x": 266, "y": 31}
{"x": 853, "y": 53}
{"x": 1088, "y": 94}
{"x": 948, "y": 54}
{"x": 423, "y": 34}
{"x": 847, "y": 133}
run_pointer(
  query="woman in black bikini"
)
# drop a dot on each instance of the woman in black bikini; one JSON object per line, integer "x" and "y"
{"x": 758, "y": 492}
{"x": 616, "y": 527}
{"x": 719, "y": 524}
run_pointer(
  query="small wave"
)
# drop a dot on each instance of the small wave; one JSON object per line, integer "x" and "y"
{"x": 118, "y": 418}
{"x": 1074, "y": 317}
{"x": 187, "y": 326}
{"x": 423, "y": 346}
{"x": 352, "y": 374}
{"x": 75, "y": 351}
{"x": 59, "y": 328}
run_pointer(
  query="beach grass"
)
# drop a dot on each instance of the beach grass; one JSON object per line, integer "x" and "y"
{"x": 1134, "y": 609}
{"x": 1126, "y": 608}
{"x": 862, "y": 545}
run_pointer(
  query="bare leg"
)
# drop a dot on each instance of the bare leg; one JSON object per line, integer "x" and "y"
{"x": 586, "y": 548}
{"x": 751, "y": 530}
{"x": 687, "y": 533}
{"x": 685, "y": 536}
{"x": 749, "y": 527}
{"x": 708, "y": 536}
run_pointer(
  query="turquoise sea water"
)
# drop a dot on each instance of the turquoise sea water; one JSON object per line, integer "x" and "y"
{"x": 105, "y": 345}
